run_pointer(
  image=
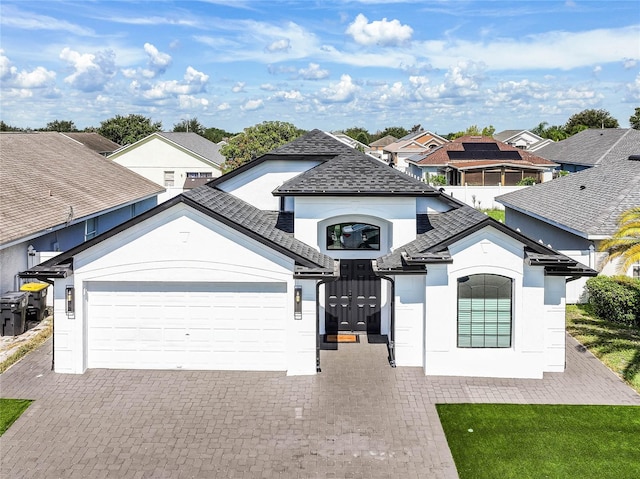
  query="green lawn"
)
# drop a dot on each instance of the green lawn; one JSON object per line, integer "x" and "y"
{"x": 543, "y": 441}
{"x": 495, "y": 214}
{"x": 10, "y": 410}
{"x": 615, "y": 344}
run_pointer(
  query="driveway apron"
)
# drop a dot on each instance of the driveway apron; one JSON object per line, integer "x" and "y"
{"x": 358, "y": 418}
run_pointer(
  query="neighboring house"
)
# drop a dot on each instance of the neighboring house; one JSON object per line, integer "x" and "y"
{"x": 523, "y": 139}
{"x": 589, "y": 147}
{"x": 575, "y": 213}
{"x": 94, "y": 141}
{"x": 57, "y": 193}
{"x": 417, "y": 142}
{"x": 377, "y": 147}
{"x": 353, "y": 143}
{"x": 251, "y": 270}
{"x": 172, "y": 160}
{"x": 481, "y": 161}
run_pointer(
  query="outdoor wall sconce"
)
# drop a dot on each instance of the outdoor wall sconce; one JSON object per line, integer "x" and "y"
{"x": 70, "y": 296}
{"x": 297, "y": 302}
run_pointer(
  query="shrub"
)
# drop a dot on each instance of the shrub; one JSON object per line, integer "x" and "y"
{"x": 615, "y": 298}
{"x": 437, "y": 180}
{"x": 526, "y": 181}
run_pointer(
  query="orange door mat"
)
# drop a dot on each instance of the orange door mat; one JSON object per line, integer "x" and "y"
{"x": 341, "y": 338}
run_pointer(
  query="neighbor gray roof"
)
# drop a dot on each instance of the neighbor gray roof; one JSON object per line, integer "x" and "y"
{"x": 587, "y": 203}
{"x": 344, "y": 171}
{"x": 94, "y": 141}
{"x": 49, "y": 179}
{"x": 506, "y": 134}
{"x": 590, "y": 147}
{"x": 196, "y": 144}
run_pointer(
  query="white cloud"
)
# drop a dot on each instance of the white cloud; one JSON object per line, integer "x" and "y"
{"x": 39, "y": 77}
{"x": 188, "y": 102}
{"x": 238, "y": 87}
{"x": 193, "y": 82}
{"x": 291, "y": 95}
{"x": 313, "y": 72}
{"x": 630, "y": 63}
{"x": 158, "y": 61}
{"x": 223, "y": 107}
{"x": 16, "y": 18}
{"x": 633, "y": 90}
{"x": 252, "y": 105}
{"x": 268, "y": 87}
{"x": 379, "y": 32}
{"x": 597, "y": 69}
{"x": 340, "y": 92}
{"x": 279, "y": 45}
{"x": 91, "y": 71}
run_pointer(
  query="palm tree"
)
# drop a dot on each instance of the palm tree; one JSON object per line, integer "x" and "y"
{"x": 625, "y": 242}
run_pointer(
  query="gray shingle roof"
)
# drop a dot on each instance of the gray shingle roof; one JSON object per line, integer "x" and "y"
{"x": 47, "y": 176}
{"x": 272, "y": 227}
{"x": 344, "y": 171}
{"x": 588, "y": 202}
{"x": 196, "y": 144}
{"x": 94, "y": 141}
{"x": 434, "y": 230}
{"x": 591, "y": 147}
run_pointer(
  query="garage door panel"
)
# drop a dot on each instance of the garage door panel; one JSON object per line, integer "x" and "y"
{"x": 188, "y": 326}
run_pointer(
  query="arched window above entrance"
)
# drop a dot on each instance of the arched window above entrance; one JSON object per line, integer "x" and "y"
{"x": 353, "y": 236}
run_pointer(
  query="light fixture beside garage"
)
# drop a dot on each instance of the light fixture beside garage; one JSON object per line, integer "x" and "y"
{"x": 297, "y": 305}
{"x": 70, "y": 301}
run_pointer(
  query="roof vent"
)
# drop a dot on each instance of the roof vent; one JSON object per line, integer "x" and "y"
{"x": 634, "y": 157}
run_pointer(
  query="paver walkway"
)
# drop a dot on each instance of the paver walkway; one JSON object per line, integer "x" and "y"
{"x": 359, "y": 418}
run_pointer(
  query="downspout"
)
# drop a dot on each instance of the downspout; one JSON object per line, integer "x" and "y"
{"x": 392, "y": 321}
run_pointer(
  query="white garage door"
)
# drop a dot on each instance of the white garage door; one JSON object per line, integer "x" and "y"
{"x": 186, "y": 325}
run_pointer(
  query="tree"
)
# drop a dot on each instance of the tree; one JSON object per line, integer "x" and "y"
{"x": 217, "y": 135}
{"x": 473, "y": 130}
{"x": 60, "y": 125}
{"x": 396, "y": 131}
{"x": 125, "y": 130}
{"x": 634, "y": 120}
{"x": 257, "y": 140}
{"x": 189, "y": 126}
{"x": 5, "y": 127}
{"x": 590, "y": 118}
{"x": 358, "y": 133}
{"x": 625, "y": 242}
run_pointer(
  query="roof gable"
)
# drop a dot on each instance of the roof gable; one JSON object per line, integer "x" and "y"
{"x": 345, "y": 171}
{"x": 190, "y": 143}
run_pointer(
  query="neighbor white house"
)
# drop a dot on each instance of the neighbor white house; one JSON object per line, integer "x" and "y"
{"x": 173, "y": 160}
{"x": 252, "y": 270}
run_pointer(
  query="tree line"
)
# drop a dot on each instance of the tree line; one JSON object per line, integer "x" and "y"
{"x": 256, "y": 140}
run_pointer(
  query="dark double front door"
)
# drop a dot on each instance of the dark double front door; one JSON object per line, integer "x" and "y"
{"x": 353, "y": 301}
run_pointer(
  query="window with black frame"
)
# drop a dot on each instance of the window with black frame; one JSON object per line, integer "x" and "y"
{"x": 353, "y": 236}
{"x": 485, "y": 311}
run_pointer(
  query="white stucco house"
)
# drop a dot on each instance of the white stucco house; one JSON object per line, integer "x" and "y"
{"x": 252, "y": 270}
{"x": 173, "y": 160}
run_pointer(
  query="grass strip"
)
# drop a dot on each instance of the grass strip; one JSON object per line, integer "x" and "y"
{"x": 29, "y": 346}
{"x": 542, "y": 441}
{"x": 617, "y": 345}
{"x": 10, "y": 410}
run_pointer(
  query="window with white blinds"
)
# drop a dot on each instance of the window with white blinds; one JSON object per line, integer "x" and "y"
{"x": 485, "y": 311}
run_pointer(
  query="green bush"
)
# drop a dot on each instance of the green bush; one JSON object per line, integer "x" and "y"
{"x": 526, "y": 181}
{"x": 615, "y": 298}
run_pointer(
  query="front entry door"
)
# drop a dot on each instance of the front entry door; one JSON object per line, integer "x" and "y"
{"x": 353, "y": 302}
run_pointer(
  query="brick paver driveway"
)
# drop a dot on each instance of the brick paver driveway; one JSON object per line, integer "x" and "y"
{"x": 357, "y": 419}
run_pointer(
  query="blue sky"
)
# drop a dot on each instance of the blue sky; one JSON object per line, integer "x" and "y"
{"x": 329, "y": 64}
